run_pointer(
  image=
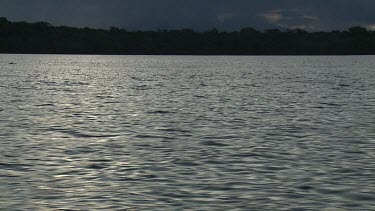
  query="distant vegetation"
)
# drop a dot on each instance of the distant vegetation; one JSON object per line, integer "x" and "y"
{"x": 22, "y": 37}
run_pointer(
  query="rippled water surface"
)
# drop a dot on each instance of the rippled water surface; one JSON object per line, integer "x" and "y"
{"x": 197, "y": 133}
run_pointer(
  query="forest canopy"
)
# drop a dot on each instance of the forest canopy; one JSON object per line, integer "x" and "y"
{"x": 43, "y": 38}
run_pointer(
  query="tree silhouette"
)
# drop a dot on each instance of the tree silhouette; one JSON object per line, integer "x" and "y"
{"x": 41, "y": 37}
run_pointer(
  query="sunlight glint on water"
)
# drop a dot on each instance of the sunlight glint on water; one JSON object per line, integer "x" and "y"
{"x": 171, "y": 132}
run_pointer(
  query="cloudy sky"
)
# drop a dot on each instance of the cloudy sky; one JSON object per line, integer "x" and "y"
{"x": 196, "y": 14}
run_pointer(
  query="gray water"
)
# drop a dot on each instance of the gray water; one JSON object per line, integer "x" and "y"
{"x": 190, "y": 132}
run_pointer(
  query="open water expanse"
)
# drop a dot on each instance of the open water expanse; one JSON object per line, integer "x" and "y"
{"x": 187, "y": 132}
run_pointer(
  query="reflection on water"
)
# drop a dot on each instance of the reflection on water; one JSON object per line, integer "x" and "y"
{"x": 149, "y": 132}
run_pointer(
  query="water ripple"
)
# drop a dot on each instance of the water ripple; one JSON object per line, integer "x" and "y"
{"x": 186, "y": 133}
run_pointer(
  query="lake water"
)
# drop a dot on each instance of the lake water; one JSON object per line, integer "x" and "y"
{"x": 187, "y": 132}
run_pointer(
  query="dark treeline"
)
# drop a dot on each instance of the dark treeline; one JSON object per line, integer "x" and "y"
{"x": 22, "y": 37}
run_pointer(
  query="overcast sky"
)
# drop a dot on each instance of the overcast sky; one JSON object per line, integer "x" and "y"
{"x": 196, "y": 14}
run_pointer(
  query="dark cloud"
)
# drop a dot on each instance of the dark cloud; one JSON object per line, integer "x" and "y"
{"x": 197, "y": 14}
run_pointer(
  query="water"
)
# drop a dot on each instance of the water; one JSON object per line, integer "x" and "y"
{"x": 198, "y": 133}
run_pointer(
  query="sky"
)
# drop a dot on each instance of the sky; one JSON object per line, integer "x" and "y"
{"x": 311, "y": 15}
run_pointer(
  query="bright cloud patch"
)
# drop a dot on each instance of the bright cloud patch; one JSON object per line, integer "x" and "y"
{"x": 291, "y": 18}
